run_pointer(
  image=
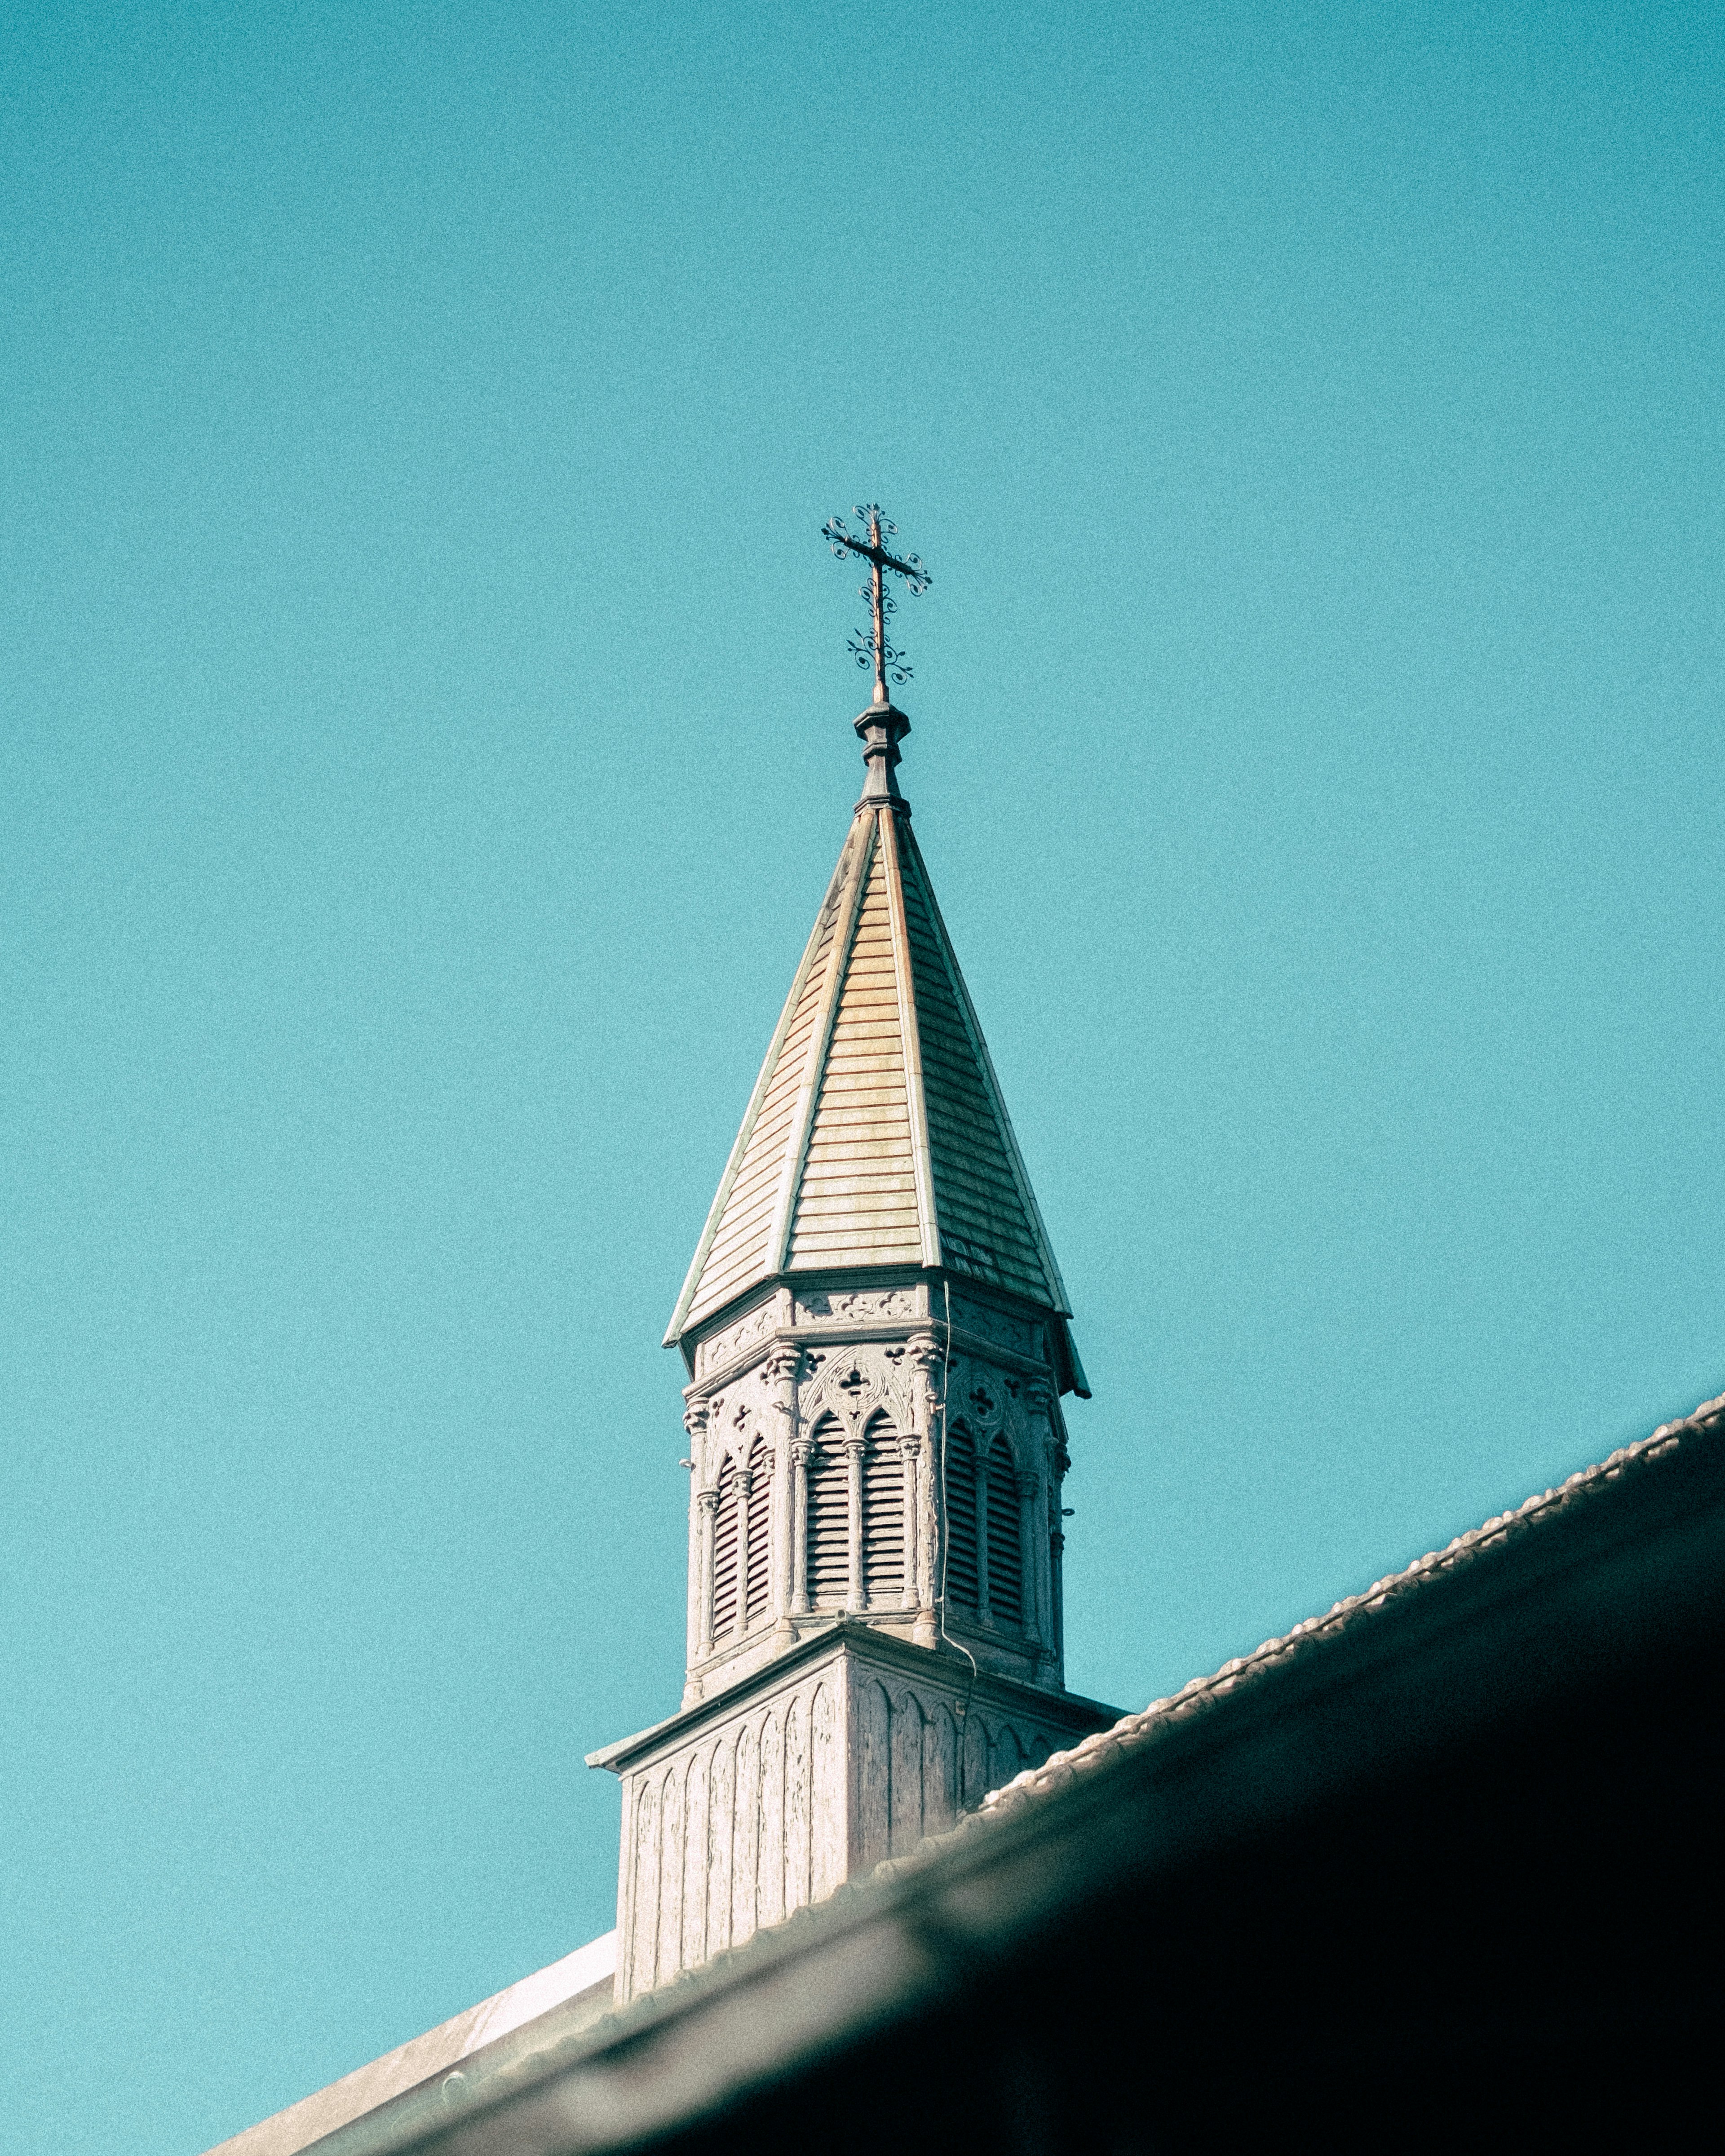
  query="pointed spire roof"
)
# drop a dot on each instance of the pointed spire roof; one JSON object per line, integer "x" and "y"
{"x": 876, "y": 1134}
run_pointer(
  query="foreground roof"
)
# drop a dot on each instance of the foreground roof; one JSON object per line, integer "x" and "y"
{"x": 1363, "y": 1766}
{"x": 876, "y": 1134}
{"x": 1537, "y": 1515}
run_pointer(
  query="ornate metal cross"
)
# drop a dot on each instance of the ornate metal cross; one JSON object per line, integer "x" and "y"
{"x": 870, "y": 645}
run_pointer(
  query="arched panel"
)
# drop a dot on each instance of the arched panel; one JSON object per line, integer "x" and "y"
{"x": 874, "y": 1774}
{"x": 721, "y": 1838}
{"x": 725, "y": 1552}
{"x": 696, "y": 1830}
{"x": 670, "y": 1875}
{"x": 745, "y": 1837}
{"x": 974, "y": 1784}
{"x": 940, "y": 1772}
{"x": 643, "y": 1962}
{"x": 756, "y": 1585}
{"x": 796, "y": 1806}
{"x": 906, "y": 1824}
{"x": 1006, "y": 1758}
{"x": 961, "y": 1543}
{"x": 769, "y": 1891}
{"x": 1006, "y": 1561}
{"x": 829, "y": 1534}
{"x": 828, "y": 1856}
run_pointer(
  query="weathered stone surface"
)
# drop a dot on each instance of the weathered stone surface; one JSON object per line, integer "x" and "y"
{"x": 852, "y": 1748}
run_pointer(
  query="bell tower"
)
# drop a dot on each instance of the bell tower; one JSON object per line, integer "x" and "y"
{"x": 877, "y": 1341}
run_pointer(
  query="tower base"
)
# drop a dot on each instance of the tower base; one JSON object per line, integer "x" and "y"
{"x": 851, "y": 1748}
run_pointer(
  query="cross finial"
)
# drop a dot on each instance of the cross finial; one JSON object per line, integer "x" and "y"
{"x": 871, "y": 646}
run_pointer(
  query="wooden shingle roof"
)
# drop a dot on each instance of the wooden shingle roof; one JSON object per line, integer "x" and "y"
{"x": 876, "y": 1134}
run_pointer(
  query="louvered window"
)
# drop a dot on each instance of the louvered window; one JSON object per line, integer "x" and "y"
{"x": 884, "y": 1519}
{"x": 725, "y": 1552}
{"x": 760, "y": 1517}
{"x": 1006, "y": 1567}
{"x": 961, "y": 1520}
{"x": 829, "y": 1540}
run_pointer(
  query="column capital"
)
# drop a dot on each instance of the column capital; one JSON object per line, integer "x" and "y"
{"x": 708, "y": 1500}
{"x": 783, "y": 1364}
{"x": 926, "y": 1352}
{"x": 695, "y": 1417}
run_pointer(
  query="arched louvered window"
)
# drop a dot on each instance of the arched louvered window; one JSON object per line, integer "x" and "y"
{"x": 1006, "y": 1564}
{"x": 884, "y": 1518}
{"x": 961, "y": 1566}
{"x": 760, "y": 1512}
{"x": 828, "y": 1524}
{"x": 725, "y": 1552}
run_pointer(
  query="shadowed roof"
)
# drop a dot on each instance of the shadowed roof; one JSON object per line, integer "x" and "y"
{"x": 876, "y": 1134}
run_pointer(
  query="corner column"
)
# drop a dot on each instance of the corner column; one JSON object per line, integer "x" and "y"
{"x": 708, "y": 1502}
{"x": 799, "y": 1526}
{"x": 853, "y": 1462}
{"x": 928, "y": 1361}
{"x": 781, "y": 1370}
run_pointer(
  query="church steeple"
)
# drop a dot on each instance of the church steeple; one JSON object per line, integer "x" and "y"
{"x": 876, "y": 1334}
{"x": 876, "y": 1135}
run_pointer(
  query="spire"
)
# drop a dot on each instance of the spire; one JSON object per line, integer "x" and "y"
{"x": 876, "y": 1135}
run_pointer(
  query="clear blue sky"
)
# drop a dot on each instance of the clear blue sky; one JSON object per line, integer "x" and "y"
{"x": 425, "y": 743}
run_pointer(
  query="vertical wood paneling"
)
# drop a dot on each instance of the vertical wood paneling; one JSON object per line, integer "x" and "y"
{"x": 670, "y": 1874}
{"x": 874, "y": 1773}
{"x": 644, "y": 1960}
{"x": 1006, "y": 1759}
{"x": 940, "y": 1755}
{"x": 746, "y": 1835}
{"x": 830, "y": 1809}
{"x": 797, "y": 1807}
{"x": 721, "y": 1845}
{"x": 695, "y": 1828}
{"x": 769, "y": 1892}
{"x": 905, "y": 1827}
{"x": 779, "y": 1807}
{"x": 974, "y": 1784}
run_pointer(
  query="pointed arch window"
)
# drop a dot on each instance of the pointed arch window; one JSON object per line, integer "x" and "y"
{"x": 1006, "y": 1564}
{"x": 829, "y": 1522}
{"x": 883, "y": 1517}
{"x": 725, "y": 1552}
{"x": 760, "y": 1515}
{"x": 963, "y": 1580}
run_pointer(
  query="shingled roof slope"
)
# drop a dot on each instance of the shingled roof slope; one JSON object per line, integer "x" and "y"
{"x": 876, "y": 1134}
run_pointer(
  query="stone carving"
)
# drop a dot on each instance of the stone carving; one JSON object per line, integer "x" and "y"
{"x": 854, "y": 1383}
{"x": 863, "y": 1305}
{"x": 720, "y": 1346}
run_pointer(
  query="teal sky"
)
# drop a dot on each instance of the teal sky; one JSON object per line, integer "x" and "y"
{"x": 425, "y": 722}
